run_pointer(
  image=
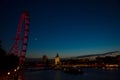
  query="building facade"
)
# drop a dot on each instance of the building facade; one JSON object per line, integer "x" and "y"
{"x": 57, "y": 59}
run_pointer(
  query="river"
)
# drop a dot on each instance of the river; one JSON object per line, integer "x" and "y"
{"x": 89, "y": 74}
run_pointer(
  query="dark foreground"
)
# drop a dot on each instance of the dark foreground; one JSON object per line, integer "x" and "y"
{"x": 89, "y": 74}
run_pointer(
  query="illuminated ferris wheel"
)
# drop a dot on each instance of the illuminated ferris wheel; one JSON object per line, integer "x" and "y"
{"x": 21, "y": 40}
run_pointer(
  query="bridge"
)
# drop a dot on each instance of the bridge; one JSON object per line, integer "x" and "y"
{"x": 14, "y": 60}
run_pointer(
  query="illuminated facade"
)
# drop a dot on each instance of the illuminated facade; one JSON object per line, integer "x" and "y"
{"x": 57, "y": 60}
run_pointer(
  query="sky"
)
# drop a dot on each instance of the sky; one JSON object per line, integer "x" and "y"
{"x": 68, "y": 27}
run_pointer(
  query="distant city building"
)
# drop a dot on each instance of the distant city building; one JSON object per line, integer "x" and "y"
{"x": 57, "y": 59}
{"x": 44, "y": 60}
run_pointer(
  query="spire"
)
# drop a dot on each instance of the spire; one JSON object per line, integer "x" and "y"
{"x": 57, "y": 55}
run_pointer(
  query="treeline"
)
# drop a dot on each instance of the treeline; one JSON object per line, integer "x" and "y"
{"x": 7, "y": 62}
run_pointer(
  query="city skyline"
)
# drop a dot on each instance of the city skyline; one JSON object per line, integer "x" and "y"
{"x": 69, "y": 28}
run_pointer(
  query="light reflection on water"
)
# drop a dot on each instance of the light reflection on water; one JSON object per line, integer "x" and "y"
{"x": 57, "y": 75}
{"x": 89, "y": 74}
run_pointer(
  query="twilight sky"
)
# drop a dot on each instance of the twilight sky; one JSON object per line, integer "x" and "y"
{"x": 69, "y": 27}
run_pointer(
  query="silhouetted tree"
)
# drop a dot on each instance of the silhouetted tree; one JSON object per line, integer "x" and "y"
{"x": 0, "y": 43}
{"x": 108, "y": 59}
{"x": 3, "y": 59}
{"x": 13, "y": 60}
{"x": 7, "y": 61}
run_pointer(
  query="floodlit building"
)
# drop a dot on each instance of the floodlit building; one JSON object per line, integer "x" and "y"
{"x": 57, "y": 59}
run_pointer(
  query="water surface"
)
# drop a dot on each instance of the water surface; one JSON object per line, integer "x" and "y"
{"x": 89, "y": 74}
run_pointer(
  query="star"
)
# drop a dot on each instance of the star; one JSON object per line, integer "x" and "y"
{"x": 36, "y": 39}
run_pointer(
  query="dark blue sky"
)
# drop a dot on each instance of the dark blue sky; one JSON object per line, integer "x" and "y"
{"x": 71, "y": 28}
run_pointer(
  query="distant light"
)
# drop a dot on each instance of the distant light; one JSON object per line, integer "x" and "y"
{"x": 15, "y": 70}
{"x": 36, "y": 39}
{"x": 18, "y": 68}
{"x": 8, "y": 73}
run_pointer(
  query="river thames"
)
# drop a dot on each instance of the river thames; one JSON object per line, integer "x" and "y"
{"x": 89, "y": 74}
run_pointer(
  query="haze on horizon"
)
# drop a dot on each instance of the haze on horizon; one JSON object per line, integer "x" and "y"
{"x": 70, "y": 28}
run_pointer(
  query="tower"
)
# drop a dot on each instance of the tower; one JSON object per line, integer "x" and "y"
{"x": 45, "y": 60}
{"x": 57, "y": 59}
